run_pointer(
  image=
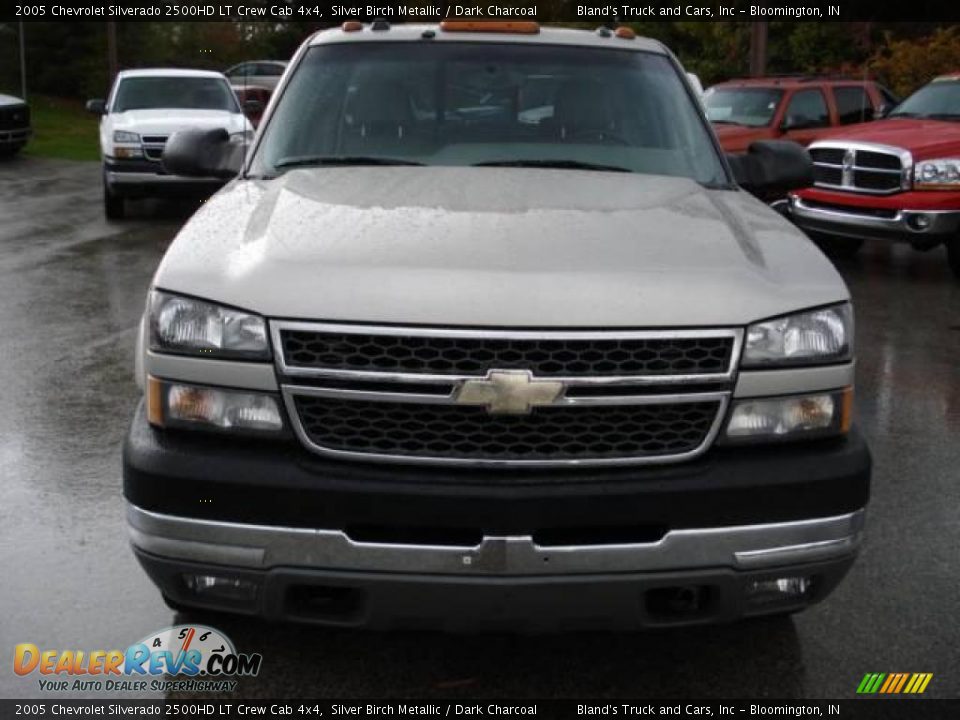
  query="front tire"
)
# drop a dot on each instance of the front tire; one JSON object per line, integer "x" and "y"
{"x": 953, "y": 256}
{"x": 114, "y": 206}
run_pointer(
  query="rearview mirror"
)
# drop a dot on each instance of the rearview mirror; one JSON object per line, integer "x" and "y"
{"x": 97, "y": 107}
{"x": 203, "y": 153}
{"x": 772, "y": 167}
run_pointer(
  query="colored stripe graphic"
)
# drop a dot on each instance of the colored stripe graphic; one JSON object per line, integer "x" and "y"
{"x": 894, "y": 683}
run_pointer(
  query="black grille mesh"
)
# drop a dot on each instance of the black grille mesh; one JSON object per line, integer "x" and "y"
{"x": 834, "y": 156}
{"x": 14, "y": 117}
{"x": 463, "y": 432}
{"x": 475, "y": 356}
{"x": 827, "y": 175}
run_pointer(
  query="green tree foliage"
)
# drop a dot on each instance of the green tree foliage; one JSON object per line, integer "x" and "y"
{"x": 69, "y": 59}
{"x": 905, "y": 65}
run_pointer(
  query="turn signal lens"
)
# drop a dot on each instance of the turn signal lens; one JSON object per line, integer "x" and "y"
{"x": 788, "y": 418}
{"x": 198, "y": 407}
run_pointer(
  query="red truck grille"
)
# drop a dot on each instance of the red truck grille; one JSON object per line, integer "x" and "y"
{"x": 861, "y": 168}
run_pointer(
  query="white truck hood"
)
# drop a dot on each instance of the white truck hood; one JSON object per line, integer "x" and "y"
{"x": 167, "y": 121}
{"x": 10, "y": 100}
{"x": 504, "y": 247}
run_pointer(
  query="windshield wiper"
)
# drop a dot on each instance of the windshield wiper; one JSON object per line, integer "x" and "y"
{"x": 558, "y": 164}
{"x": 321, "y": 160}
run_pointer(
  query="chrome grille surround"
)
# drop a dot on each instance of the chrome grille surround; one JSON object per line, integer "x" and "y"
{"x": 441, "y": 389}
{"x": 869, "y": 168}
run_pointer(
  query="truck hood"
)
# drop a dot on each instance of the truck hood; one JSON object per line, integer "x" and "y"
{"x": 925, "y": 139}
{"x": 496, "y": 247}
{"x": 164, "y": 122}
{"x": 10, "y": 100}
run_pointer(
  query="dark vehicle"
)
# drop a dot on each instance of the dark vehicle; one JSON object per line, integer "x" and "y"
{"x": 14, "y": 124}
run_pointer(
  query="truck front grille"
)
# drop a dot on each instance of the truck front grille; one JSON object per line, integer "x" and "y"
{"x": 466, "y": 433}
{"x": 525, "y": 397}
{"x": 153, "y": 146}
{"x": 14, "y": 117}
{"x": 863, "y": 168}
{"x": 544, "y": 357}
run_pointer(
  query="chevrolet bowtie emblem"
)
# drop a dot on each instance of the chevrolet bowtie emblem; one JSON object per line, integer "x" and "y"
{"x": 512, "y": 392}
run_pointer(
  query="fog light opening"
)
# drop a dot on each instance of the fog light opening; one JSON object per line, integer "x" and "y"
{"x": 219, "y": 586}
{"x": 779, "y": 591}
{"x": 919, "y": 222}
{"x": 682, "y": 602}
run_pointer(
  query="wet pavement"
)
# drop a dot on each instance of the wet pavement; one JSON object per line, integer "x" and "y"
{"x": 71, "y": 291}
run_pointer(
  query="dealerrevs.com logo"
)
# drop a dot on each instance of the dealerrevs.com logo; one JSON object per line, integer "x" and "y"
{"x": 200, "y": 658}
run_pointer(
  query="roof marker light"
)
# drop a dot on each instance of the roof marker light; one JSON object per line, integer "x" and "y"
{"x": 625, "y": 32}
{"x": 352, "y": 26}
{"x": 523, "y": 27}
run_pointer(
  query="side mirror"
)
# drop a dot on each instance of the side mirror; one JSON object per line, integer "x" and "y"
{"x": 97, "y": 107}
{"x": 252, "y": 107}
{"x": 772, "y": 167}
{"x": 881, "y": 111}
{"x": 203, "y": 153}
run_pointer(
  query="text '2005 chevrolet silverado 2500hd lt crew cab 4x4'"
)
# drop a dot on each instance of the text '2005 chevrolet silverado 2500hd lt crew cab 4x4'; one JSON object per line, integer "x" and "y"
{"x": 896, "y": 180}
{"x": 486, "y": 334}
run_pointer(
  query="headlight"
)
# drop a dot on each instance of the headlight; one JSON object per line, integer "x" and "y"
{"x": 817, "y": 336}
{"x": 194, "y": 327}
{"x": 171, "y": 404}
{"x": 937, "y": 174}
{"x": 122, "y": 136}
{"x": 790, "y": 418}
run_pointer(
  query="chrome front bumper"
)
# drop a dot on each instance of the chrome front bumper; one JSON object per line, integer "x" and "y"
{"x": 901, "y": 226}
{"x": 323, "y": 577}
{"x": 258, "y": 547}
{"x": 15, "y": 137}
{"x": 143, "y": 178}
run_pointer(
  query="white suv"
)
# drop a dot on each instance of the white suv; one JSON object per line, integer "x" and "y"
{"x": 144, "y": 108}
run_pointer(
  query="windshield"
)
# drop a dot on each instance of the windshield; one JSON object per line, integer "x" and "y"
{"x": 199, "y": 93}
{"x": 939, "y": 99}
{"x": 449, "y": 103}
{"x": 753, "y": 107}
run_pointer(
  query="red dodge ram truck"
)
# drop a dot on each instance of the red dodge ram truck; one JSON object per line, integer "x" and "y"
{"x": 897, "y": 179}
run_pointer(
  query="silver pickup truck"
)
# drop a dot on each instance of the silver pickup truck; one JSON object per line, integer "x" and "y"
{"x": 486, "y": 333}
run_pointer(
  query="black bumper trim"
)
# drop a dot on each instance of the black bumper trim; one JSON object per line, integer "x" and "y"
{"x": 216, "y": 478}
{"x": 628, "y": 601}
